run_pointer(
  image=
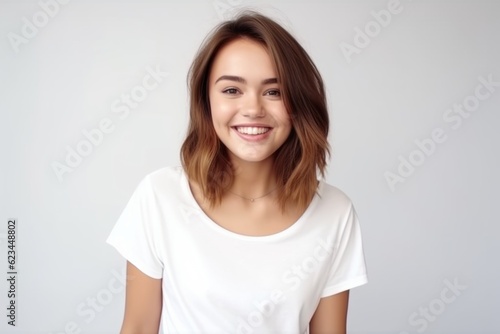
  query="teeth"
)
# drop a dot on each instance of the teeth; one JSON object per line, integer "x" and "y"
{"x": 252, "y": 130}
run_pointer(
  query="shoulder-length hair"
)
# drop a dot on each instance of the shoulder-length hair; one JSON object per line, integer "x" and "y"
{"x": 303, "y": 155}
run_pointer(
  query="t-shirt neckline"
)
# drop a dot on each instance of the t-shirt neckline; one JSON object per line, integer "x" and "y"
{"x": 270, "y": 237}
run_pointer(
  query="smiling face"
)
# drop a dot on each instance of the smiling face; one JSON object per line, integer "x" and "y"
{"x": 248, "y": 112}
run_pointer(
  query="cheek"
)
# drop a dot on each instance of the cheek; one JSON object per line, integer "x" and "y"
{"x": 287, "y": 123}
{"x": 284, "y": 117}
{"x": 222, "y": 110}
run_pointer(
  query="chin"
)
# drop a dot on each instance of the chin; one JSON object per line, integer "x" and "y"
{"x": 252, "y": 159}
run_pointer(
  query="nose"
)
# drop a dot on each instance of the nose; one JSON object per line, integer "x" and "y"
{"x": 253, "y": 107}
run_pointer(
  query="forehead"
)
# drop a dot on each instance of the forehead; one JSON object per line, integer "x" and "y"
{"x": 243, "y": 57}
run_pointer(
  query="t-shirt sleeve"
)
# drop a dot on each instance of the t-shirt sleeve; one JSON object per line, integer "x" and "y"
{"x": 349, "y": 268}
{"x": 133, "y": 233}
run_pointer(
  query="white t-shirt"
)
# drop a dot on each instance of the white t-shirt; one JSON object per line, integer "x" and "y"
{"x": 218, "y": 281}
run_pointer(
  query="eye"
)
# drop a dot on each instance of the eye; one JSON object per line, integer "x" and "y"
{"x": 273, "y": 92}
{"x": 230, "y": 91}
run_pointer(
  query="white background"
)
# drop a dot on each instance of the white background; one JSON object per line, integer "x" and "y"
{"x": 437, "y": 226}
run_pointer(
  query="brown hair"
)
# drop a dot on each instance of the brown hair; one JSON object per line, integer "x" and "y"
{"x": 304, "y": 153}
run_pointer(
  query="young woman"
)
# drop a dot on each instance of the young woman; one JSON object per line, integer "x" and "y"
{"x": 244, "y": 237}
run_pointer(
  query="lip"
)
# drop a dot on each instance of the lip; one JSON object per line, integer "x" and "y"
{"x": 253, "y": 138}
{"x": 250, "y": 125}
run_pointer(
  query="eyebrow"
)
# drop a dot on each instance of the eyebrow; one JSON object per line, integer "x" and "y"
{"x": 243, "y": 81}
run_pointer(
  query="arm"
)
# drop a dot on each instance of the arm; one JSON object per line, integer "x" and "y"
{"x": 331, "y": 315}
{"x": 143, "y": 303}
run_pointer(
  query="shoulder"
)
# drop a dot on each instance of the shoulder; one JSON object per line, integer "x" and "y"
{"x": 164, "y": 180}
{"x": 332, "y": 204}
{"x": 333, "y": 197}
{"x": 165, "y": 174}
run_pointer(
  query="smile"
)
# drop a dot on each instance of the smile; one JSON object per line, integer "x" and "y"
{"x": 252, "y": 130}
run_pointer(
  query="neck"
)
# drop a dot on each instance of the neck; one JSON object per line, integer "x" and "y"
{"x": 253, "y": 179}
